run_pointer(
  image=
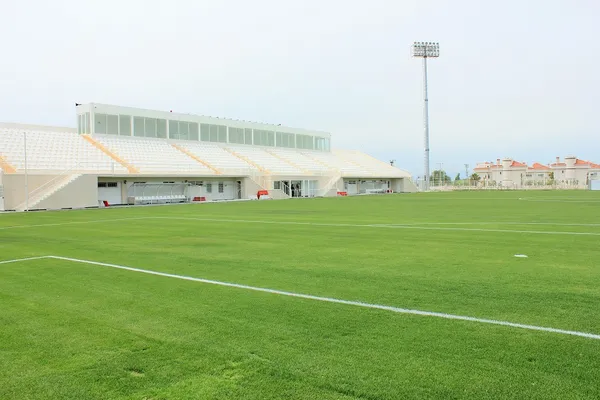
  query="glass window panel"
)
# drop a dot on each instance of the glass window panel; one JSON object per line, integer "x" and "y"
{"x": 112, "y": 124}
{"x": 214, "y": 133}
{"x": 193, "y": 131}
{"x": 138, "y": 126}
{"x": 271, "y": 138}
{"x": 278, "y": 139}
{"x": 161, "y": 128}
{"x": 173, "y": 129}
{"x": 100, "y": 123}
{"x": 205, "y": 132}
{"x": 80, "y": 124}
{"x": 257, "y": 137}
{"x": 234, "y": 135}
{"x": 184, "y": 130}
{"x": 150, "y": 127}
{"x": 304, "y": 142}
{"x": 124, "y": 125}
{"x": 248, "y": 134}
{"x": 87, "y": 123}
{"x": 222, "y": 134}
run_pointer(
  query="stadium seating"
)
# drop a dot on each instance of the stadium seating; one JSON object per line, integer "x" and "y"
{"x": 216, "y": 156}
{"x": 267, "y": 161}
{"x": 53, "y": 151}
{"x": 331, "y": 159}
{"x": 373, "y": 165}
{"x": 302, "y": 161}
{"x": 67, "y": 151}
{"x": 152, "y": 155}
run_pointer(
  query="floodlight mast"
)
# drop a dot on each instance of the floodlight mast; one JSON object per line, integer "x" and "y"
{"x": 425, "y": 50}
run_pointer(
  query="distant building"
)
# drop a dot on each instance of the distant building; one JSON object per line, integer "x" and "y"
{"x": 507, "y": 172}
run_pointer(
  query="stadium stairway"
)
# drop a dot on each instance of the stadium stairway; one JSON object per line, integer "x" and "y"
{"x": 196, "y": 158}
{"x": 6, "y": 167}
{"x": 105, "y": 150}
{"x": 320, "y": 162}
{"x": 246, "y": 159}
{"x": 43, "y": 192}
{"x": 288, "y": 161}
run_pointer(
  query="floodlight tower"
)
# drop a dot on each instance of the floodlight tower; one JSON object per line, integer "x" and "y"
{"x": 425, "y": 50}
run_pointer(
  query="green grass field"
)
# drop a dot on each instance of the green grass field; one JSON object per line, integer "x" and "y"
{"x": 79, "y": 331}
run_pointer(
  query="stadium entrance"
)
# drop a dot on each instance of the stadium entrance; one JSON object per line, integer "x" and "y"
{"x": 298, "y": 188}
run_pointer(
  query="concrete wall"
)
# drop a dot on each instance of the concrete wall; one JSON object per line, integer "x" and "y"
{"x": 403, "y": 185}
{"x": 82, "y": 192}
{"x": 14, "y": 188}
{"x": 231, "y": 182}
{"x": 250, "y": 188}
{"x": 1, "y": 192}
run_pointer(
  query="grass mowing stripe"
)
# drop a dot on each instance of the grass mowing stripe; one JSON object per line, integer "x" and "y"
{"x": 323, "y": 299}
{"x": 71, "y": 223}
{"x": 389, "y": 226}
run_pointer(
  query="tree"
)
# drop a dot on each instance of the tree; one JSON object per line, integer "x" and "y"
{"x": 440, "y": 177}
{"x": 457, "y": 178}
{"x": 475, "y": 177}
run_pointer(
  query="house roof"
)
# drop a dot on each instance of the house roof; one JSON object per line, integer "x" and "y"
{"x": 486, "y": 166}
{"x": 518, "y": 164}
{"x": 539, "y": 167}
{"x": 483, "y": 166}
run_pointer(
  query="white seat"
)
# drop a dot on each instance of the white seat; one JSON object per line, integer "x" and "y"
{"x": 53, "y": 151}
{"x": 153, "y": 155}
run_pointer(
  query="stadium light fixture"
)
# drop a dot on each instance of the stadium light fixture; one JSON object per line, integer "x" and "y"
{"x": 425, "y": 50}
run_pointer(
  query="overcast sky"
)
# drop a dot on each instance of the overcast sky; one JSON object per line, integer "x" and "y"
{"x": 515, "y": 78}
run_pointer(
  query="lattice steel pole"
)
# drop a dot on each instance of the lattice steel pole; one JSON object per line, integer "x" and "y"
{"x": 425, "y": 50}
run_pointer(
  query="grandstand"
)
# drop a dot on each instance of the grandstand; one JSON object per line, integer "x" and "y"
{"x": 122, "y": 155}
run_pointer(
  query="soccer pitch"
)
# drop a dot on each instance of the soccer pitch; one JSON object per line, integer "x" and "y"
{"x": 306, "y": 299}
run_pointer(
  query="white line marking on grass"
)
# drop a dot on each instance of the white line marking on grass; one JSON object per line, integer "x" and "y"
{"x": 565, "y": 200}
{"x": 72, "y": 223}
{"x": 496, "y": 223}
{"x": 327, "y": 299}
{"x": 23, "y": 259}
